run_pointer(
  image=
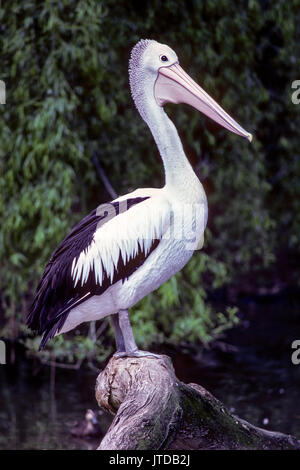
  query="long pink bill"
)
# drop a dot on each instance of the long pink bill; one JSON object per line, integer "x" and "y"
{"x": 174, "y": 85}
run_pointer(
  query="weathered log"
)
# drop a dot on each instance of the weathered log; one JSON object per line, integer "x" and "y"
{"x": 154, "y": 410}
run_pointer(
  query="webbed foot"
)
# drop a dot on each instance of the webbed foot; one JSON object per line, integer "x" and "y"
{"x": 136, "y": 353}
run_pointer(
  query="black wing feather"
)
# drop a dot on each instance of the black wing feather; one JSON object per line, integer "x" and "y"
{"x": 56, "y": 294}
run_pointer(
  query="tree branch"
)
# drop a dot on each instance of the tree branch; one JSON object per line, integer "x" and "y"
{"x": 154, "y": 410}
{"x": 103, "y": 177}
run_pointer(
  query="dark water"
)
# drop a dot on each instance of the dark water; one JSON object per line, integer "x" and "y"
{"x": 250, "y": 370}
{"x": 33, "y": 416}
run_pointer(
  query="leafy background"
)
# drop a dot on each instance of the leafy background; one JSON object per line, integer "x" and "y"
{"x": 65, "y": 68}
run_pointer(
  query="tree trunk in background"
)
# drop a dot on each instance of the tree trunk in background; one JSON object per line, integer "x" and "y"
{"x": 154, "y": 410}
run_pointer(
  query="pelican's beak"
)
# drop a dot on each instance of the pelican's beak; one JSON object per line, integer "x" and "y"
{"x": 173, "y": 85}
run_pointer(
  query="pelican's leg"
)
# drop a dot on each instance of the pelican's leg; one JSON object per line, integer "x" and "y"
{"x": 118, "y": 333}
{"x": 131, "y": 348}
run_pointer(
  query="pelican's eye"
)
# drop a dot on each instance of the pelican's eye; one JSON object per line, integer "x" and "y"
{"x": 163, "y": 58}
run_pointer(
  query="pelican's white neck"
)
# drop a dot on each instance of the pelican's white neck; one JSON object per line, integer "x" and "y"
{"x": 176, "y": 165}
{"x": 179, "y": 173}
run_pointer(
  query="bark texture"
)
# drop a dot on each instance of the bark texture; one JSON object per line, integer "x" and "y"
{"x": 154, "y": 410}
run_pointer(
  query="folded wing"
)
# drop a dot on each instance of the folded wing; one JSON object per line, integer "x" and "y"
{"x": 105, "y": 247}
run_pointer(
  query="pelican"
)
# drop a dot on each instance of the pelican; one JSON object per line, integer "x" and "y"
{"x": 127, "y": 248}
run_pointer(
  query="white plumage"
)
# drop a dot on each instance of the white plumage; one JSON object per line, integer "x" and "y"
{"x": 122, "y": 235}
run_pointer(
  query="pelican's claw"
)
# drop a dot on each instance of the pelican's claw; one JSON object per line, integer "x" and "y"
{"x": 136, "y": 353}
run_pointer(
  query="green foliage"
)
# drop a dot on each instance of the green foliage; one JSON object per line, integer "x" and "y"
{"x": 178, "y": 313}
{"x": 65, "y": 68}
{"x": 69, "y": 350}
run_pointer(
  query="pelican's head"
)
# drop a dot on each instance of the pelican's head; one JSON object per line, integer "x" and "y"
{"x": 154, "y": 71}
